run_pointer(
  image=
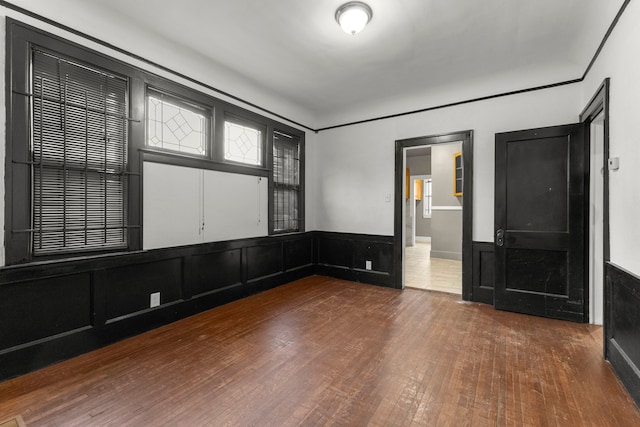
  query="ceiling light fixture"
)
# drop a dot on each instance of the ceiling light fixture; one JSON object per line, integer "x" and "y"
{"x": 353, "y": 16}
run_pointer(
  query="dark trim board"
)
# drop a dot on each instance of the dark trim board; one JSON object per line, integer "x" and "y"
{"x": 54, "y": 310}
{"x": 622, "y": 336}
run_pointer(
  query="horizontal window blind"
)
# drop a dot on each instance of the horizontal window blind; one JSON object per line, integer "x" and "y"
{"x": 79, "y": 154}
{"x": 286, "y": 183}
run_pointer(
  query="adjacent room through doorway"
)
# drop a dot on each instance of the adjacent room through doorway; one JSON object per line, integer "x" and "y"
{"x": 433, "y": 218}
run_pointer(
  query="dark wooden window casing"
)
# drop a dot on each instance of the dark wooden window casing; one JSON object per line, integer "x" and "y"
{"x": 287, "y": 183}
{"x": 22, "y": 41}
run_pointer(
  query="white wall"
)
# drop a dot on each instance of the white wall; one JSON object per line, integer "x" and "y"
{"x": 350, "y": 170}
{"x": 619, "y": 61}
{"x": 355, "y": 164}
{"x": 185, "y": 206}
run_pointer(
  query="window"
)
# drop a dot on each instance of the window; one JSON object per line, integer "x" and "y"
{"x": 79, "y": 132}
{"x": 426, "y": 198}
{"x": 287, "y": 194}
{"x": 175, "y": 125}
{"x": 243, "y": 143}
{"x": 80, "y": 128}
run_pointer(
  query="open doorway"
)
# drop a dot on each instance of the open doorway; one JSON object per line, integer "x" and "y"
{"x": 433, "y": 218}
{"x": 464, "y": 188}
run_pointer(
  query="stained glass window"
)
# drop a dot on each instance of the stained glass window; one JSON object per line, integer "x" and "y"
{"x": 175, "y": 125}
{"x": 243, "y": 144}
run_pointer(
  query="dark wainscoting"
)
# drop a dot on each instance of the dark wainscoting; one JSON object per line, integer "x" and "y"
{"x": 51, "y": 311}
{"x": 622, "y": 332}
{"x": 55, "y": 310}
{"x": 483, "y": 272}
{"x": 344, "y": 256}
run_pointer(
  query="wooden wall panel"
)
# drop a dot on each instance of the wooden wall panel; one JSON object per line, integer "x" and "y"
{"x": 622, "y": 326}
{"x": 264, "y": 260}
{"x": 128, "y": 288}
{"x": 37, "y": 309}
{"x": 379, "y": 253}
{"x": 483, "y": 272}
{"x": 212, "y": 271}
{"x": 298, "y": 253}
{"x": 336, "y": 252}
{"x": 344, "y": 256}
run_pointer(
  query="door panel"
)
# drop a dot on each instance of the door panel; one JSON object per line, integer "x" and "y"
{"x": 537, "y": 169}
{"x": 540, "y": 222}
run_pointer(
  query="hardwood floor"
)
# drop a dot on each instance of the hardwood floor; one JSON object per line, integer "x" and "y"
{"x": 322, "y": 351}
{"x": 436, "y": 274}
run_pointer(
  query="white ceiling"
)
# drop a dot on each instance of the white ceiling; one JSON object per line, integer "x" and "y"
{"x": 295, "y": 50}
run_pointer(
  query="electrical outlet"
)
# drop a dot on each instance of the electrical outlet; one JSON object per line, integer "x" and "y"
{"x": 154, "y": 299}
{"x": 367, "y": 265}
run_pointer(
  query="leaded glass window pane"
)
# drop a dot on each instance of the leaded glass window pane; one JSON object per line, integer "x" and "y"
{"x": 242, "y": 144}
{"x": 175, "y": 125}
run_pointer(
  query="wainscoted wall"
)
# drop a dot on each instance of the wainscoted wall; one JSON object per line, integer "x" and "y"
{"x": 483, "y": 272}
{"x": 344, "y": 256}
{"x": 52, "y": 311}
{"x": 55, "y": 310}
{"x": 622, "y": 326}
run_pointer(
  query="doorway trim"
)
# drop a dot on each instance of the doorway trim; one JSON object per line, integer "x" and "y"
{"x": 599, "y": 103}
{"x": 466, "y": 137}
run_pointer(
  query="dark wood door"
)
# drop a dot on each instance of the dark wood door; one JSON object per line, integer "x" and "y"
{"x": 540, "y": 228}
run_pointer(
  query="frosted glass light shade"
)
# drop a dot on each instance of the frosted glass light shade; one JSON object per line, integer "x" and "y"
{"x": 353, "y": 16}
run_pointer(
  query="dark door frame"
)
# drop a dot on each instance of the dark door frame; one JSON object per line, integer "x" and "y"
{"x": 600, "y": 103}
{"x": 467, "y": 202}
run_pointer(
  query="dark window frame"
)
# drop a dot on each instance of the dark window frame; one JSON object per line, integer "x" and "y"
{"x": 20, "y": 38}
{"x": 79, "y": 140}
{"x": 301, "y": 185}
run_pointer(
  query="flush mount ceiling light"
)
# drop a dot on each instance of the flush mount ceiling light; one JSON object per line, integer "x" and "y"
{"x": 353, "y": 16}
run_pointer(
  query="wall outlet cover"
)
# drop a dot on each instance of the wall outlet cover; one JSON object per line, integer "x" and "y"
{"x": 154, "y": 299}
{"x": 367, "y": 265}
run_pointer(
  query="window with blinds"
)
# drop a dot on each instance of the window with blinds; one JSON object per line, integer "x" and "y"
{"x": 79, "y": 157}
{"x": 286, "y": 183}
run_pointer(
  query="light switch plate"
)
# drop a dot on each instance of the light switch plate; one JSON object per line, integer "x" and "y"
{"x": 367, "y": 265}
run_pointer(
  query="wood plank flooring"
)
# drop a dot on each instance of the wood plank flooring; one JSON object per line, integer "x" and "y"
{"x": 436, "y": 274}
{"x": 322, "y": 351}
